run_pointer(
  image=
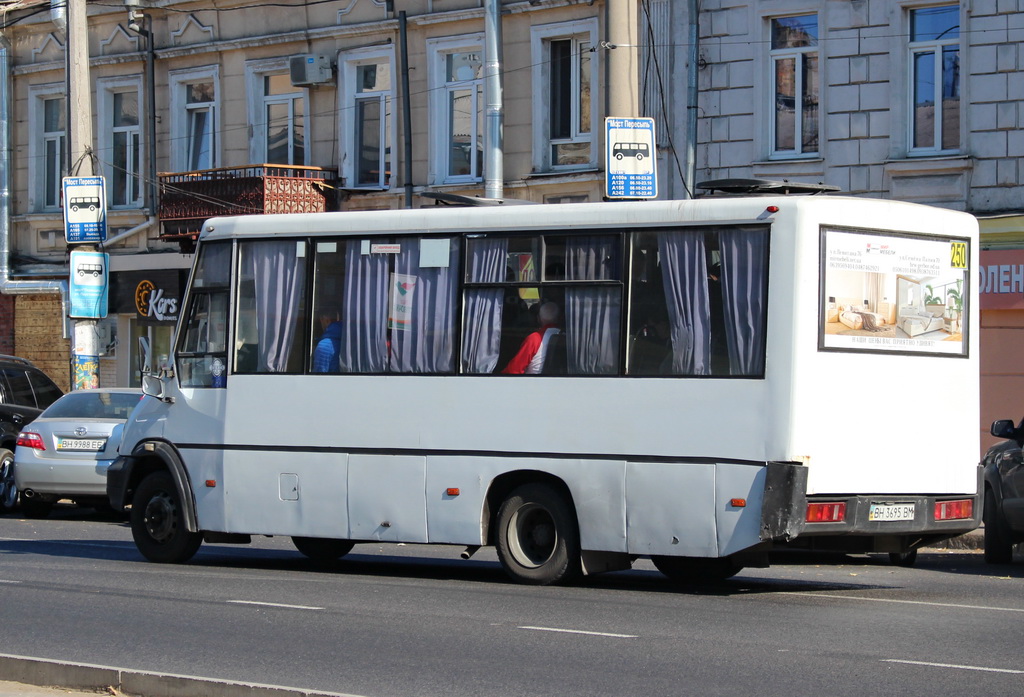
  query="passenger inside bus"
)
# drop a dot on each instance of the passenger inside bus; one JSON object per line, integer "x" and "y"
{"x": 529, "y": 360}
{"x": 328, "y": 347}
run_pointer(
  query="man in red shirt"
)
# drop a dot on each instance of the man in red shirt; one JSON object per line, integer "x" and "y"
{"x": 530, "y": 358}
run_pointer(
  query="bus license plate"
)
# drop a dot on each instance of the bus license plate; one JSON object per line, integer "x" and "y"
{"x": 891, "y": 511}
{"x": 84, "y": 444}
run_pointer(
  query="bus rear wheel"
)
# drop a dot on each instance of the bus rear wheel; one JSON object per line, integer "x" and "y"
{"x": 538, "y": 536}
{"x": 158, "y": 522}
{"x": 322, "y": 550}
{"x": 697, "y": 569}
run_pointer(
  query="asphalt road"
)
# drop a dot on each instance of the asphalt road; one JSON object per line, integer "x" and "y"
{"x": 418, "y": 621}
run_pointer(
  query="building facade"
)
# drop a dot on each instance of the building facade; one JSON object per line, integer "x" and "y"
{"x": 914, "y": 100}
{"x": 203, "y": 109}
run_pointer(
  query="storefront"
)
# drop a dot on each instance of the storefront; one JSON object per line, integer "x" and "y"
{"x": 1001, "y": 293}
{"x": 146, "y": 305}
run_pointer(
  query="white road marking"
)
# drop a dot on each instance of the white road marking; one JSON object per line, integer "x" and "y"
{"x": 954, "y": 665}
{"x": 290, "y": 607}
{"x": 580, "y": 631}
{"x": 905, "y": 602}
{"x": 2, "y": 580}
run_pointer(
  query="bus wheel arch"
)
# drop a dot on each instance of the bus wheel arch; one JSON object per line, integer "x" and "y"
{"x": 535, "y": 528}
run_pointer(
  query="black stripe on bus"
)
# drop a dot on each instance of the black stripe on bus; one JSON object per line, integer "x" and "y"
{"x": 468, "y": 453}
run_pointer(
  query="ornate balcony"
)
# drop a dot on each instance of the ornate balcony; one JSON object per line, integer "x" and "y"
{"x": 189, "y": 198}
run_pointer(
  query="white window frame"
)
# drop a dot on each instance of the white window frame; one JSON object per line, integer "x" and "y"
{"x": 540, "y": 48}
{"x": 440, "y": 137}
{"x": 181, "y": 121}
{"x": 106, "y": 88}
{"x": 348, "y": 113}
{"x": 935, "y": 47}
{"x": 255, "y": 71}
{"x": 798, "y": 54}
{"x": 38, "y": 94}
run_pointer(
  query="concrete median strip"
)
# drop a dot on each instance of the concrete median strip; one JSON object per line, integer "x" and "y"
{"x": 84, "y": 676}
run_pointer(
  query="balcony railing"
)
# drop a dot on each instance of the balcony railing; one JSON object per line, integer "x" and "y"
{"x": 189, "y": 198}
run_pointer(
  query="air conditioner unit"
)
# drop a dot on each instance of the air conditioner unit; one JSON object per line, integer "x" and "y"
{"x": 310, "y": 70}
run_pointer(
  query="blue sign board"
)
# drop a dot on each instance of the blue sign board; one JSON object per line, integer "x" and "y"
{"x": 89, "y": 285}
{"x": 630, "y": 158}
{"x": 85, "y": 209}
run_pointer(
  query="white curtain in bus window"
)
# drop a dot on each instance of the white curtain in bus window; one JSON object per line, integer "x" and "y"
{"x": 273, "y": 281}
{"x": 364, "y": 314}
{"x": 481, "y": 332}
{"x": 423, "y": 341}
{"x": 592, "y": 313}
{"x": 743, "y": 281}
{"x": 685, "y": 280}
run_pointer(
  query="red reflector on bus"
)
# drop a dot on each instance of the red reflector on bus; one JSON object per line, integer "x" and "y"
{"x": 211, "y": 483}
{"x": 954, "y": 510}
{"x": 451, "y": 491}
{"x": 772, "y": 209}
{"x": 826, "y": 512}
{"x": 738, "y": 503}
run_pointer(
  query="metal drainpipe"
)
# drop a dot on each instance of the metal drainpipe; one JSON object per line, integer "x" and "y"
{"x": 493, "y": 146}
{"x": 692, "y": 68}
{"x": 8, "y": 286}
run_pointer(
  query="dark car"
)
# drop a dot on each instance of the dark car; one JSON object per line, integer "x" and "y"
{"x": 1004, "y": 492}
{"x": 24, "y": 392}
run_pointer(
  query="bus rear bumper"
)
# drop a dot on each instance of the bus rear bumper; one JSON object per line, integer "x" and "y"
{"x": 889, "y": 523}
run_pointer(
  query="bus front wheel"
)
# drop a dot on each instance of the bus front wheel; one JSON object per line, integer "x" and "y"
{"x": 538, "y": 536}
{"x": 322, "y": 550}
{"x": 696, "y": 569}
{"x": 158, "y": 522}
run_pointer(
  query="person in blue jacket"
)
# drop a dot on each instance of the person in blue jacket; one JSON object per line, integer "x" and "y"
{"x": 328, "y": 349}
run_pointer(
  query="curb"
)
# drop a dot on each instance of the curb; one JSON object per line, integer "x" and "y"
{"x": 84, "y": 676}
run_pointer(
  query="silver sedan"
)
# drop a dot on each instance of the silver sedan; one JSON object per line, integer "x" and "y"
{"x": 65, "y": 452}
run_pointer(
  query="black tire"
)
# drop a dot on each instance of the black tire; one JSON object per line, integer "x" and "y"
{"x": 34, "y": 508}
{"x": 8, "y": 489}
{"x": 323, "y": 550}
{"x": 906, "y": 559}
{"x": 998, "y": 548}
{"x": 158, "y": 522}
{"x": 697, "y": 570}
{"x": 538, "y": 536}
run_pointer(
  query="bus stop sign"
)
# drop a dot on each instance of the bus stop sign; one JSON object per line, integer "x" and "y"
{"x": 630, "y": 158}
{"x": 85, "y": 210}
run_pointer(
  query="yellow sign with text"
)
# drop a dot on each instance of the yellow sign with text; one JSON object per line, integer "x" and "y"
{"x": 958, "y": 255}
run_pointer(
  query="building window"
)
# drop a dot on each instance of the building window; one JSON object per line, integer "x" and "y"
{"x": 935, "y": 79}
{"x": 367, "y": 83}
{"x": 120, "y": 135}
{"x": 457, "y": 104}
{"x": 277, "y": 113}
{"x": 195, "y": 114}
{"x": 794, "y": 61}
{"x": 565, "y": 105}
{"x": 47, "y": 146}
{"x": 54, "y": 150}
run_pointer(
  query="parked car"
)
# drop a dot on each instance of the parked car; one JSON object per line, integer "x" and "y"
{"x": 68, "y": 448}
{"x": 1004, "y": 492}
{"x": 25, "y": 391}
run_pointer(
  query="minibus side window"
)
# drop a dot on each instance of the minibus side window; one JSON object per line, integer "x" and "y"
{"x": 202, "y": 351}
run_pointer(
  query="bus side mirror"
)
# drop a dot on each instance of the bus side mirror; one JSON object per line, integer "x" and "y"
{"x": 1003, "y": 428}
{"x": 153, "y": 386}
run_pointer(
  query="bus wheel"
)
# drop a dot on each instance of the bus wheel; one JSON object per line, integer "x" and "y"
{"x": 697, "y": 569}
{"x": 321, "y": 549}
{"x": 8, "y": 489}
{"x": 158, "y": 525}
{"x": 538, "y": 536}
{"x": 998, "y": 548}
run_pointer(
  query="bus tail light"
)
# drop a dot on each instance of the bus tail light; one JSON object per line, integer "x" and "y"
{"x": 954, "y": 510}
{"x": 826, "y": 512}
{"x": 27, "y": 439}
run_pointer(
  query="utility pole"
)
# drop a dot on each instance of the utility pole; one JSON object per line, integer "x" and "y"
{"x": 85, "y": 347}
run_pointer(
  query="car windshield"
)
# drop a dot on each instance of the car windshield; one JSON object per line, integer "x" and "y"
{"x": 93, "y": 405}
